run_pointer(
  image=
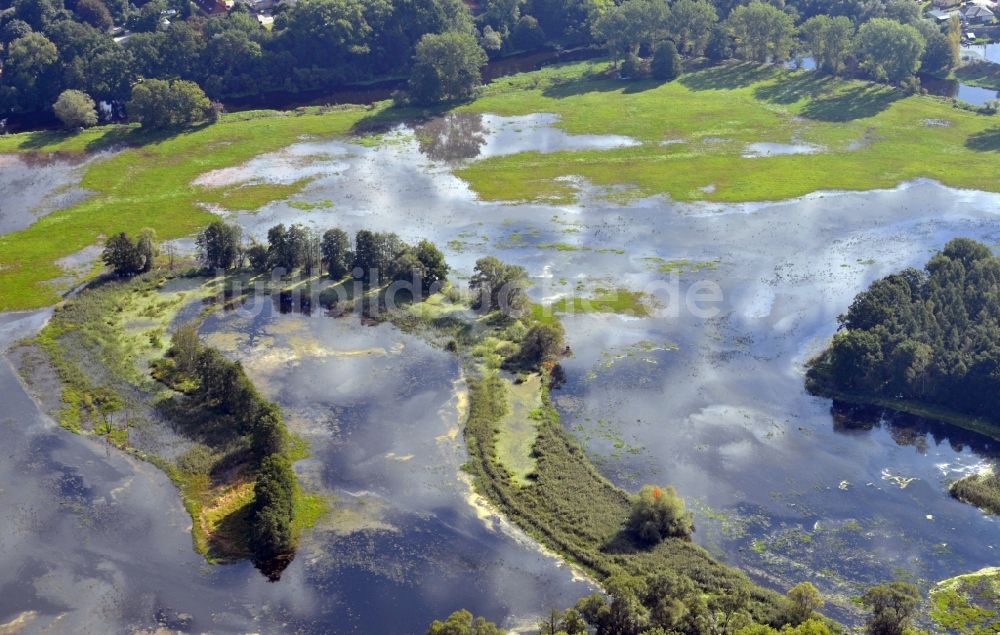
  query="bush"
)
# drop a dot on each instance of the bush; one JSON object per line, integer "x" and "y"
{"x": 659, "y": 513}
{"x": 631, "y": 67}
{"x": 542, "y": 343}
{"x": 666, "y": 62}
{"x": 893, "y": 607}
{"x": 75, "y": 109}
{"x": 126, "y": 257}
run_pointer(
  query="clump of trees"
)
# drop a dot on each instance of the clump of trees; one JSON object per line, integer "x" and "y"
{"x": 982, "y": 490}
{"x": 885, "y": 40}
{"x": 667, "y": 64}
{"x": 50, "y": 46}
{"x": 75, "y": 109}
{"x": 375, "y": 257}
{"x": 271, "y": 513}
{"x": 128, "y": 257}
{"x": 761, "y": 32}
{"x": 220, "y": 246}
{"x": 928, "y": 336}
{"x": 158, "y": 103}
{"x": 337, "y": 253}
{"x": 665, "y": 603}
{"x": 498, "y": 286}
{"x": 804, "y": 599}
{"x": 462, "y": 622}
{"x": 893, "y": 607}
{"x": 888, "y": 50}
{"x": 446, "y": 66}
{"x": 828, "y": 39}
{"x": 544, "y": 342}
{"x": 223, "y": 388}
{"x": 659, "y": 513}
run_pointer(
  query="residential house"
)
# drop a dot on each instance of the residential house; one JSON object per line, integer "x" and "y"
{"x": 946, "y": 4}
{"x": 976, "y": 14}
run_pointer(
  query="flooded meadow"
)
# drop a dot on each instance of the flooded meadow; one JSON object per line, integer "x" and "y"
{"x": 706, "y": 393}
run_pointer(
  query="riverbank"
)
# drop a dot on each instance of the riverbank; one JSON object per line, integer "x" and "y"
{"x": 90, "y": 368}
{"x": 926, "y": 411}
{"x": 981, "y": 490}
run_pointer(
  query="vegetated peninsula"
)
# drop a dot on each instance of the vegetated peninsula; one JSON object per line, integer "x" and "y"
{"x": 926, "y": 342}
{"x": 114, "y": 363}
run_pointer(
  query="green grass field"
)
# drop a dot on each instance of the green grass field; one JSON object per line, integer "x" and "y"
{"x": 518, "y": 429}
{"x": 872, "y": 136}
{"x": 149, "y": 184}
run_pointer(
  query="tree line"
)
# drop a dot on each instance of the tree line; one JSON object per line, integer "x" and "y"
{"x": 677, "y": 607}
{"x": 175, "y": 60}
{"x": 222, "y": 386}
{"x": 375, "y": 257}
{"x": 931, "y": 335}
{"x": 883, "y": 40}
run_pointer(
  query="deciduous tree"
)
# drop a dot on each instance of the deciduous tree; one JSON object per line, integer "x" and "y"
{"x": 659, "y": 513}
{"x": 762, "y": 32}
{"x": 828, "y": 40}
{"x": 446, "y": 66}
{"x": 75, "y": 109}
{"x": 888, "y": 50}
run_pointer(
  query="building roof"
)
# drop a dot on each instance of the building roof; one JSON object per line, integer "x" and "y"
{"x": 938, "y": 14}
{"x": 976, "y": 11}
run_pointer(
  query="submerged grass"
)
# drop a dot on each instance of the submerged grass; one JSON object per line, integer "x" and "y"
{"x": 618, "y": 301}
{"x": 517, "y": 430}
{"x": 251, "y": 196}
{"x": 968, "y": 604}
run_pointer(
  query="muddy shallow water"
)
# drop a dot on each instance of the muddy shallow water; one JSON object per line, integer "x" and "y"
{"x": 706, "y": 395}
{"x": 35, "y": 184}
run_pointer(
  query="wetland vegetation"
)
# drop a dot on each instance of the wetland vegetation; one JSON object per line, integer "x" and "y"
{"x": 693, "y": 104}
{"x": 180, "y": 405}
{"x": 872, "y": 136}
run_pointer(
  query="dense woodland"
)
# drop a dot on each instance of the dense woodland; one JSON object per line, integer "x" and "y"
{"x": 104, "y": 50}
{"x": 931, "y": 335}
